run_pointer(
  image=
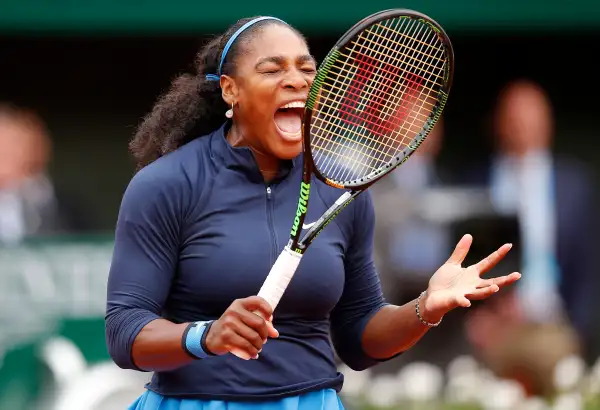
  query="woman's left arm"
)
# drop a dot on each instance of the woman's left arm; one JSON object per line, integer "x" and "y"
{"x": 393, "y": 330}
{"x": 366, "y": 330}
{"x": 396, "y": 328}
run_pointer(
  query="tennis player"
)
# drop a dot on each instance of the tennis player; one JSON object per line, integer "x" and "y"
{"x": 202, "y": 222}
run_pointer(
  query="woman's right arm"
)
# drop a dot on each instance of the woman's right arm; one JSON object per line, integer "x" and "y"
{"x": 158, "y": 346}
{"x": 143, "y": 264}
{"x": 145, "y": 256}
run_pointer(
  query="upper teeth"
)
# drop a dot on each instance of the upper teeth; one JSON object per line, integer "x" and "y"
{"x": 294, "y": 104}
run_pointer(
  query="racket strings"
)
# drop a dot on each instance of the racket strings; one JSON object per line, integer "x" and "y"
{"x": 361, "y": 158}
{"x": 423, "y": 72}
{"x": 375, "y": 148}
{"x": 412, "y": 61}
{"x": 385, "y": 102}
{"x": 377, "y": 99}
{"x": 375, "y": 94}
{"x": 380, "y": 129}
{"x": 371, "y": 53}
{"x": 330, "y": 121}
{"x": 328, "y": 125}
{"x": 400, "y": 34}
{"x": 440, "y": 59}
{"x": 372, "y": 86}
{"x": 413, "y": 121}
{"x": 404, "y": 87}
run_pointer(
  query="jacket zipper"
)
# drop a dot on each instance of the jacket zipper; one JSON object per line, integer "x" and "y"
{"x": 270, "y": 211}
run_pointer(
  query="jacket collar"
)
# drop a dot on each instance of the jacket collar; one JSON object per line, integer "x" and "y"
{"x": 242, "y": 158}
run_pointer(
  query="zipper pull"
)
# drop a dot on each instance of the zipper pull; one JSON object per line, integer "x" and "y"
{"x": 268, "y": 192}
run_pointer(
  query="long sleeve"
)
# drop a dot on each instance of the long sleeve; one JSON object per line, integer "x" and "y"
{"x": 362, "y": 296}
{"x": 144, "y": 261}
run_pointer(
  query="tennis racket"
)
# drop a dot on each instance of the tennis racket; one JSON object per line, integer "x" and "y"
{"x": 375, "y": 98}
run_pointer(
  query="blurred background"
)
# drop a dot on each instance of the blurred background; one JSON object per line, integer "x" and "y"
{"x": 515, "y": 159}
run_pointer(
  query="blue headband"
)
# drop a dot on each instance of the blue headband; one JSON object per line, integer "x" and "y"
{"x": 217, "y": 77}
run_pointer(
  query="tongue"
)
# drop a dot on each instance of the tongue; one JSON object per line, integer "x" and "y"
{"x": 288, "y": 121}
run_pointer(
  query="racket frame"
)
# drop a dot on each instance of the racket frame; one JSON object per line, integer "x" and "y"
{"x": 298, "y": 243}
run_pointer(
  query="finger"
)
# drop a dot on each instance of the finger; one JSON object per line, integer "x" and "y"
{"x": 502, "y": 281}
{"x": 461, "y": 250}
{"x": 255, "y": 322}
{"x": 462, "y": 301}
{"x": 251, "y": 332}
{"x": 271, "y": 330}
{"x": 240, "y": 346}
{"x": 258, "y": 305}
{"x": 488, "y": 263}
{"x": 479, "y": 294}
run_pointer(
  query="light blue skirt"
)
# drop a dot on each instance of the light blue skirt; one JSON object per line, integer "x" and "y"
{"x": 326, "y": 399}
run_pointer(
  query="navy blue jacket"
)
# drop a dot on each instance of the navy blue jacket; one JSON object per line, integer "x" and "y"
{"x": 199, "y": 228}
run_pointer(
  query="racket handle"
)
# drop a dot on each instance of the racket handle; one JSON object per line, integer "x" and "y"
{"x": 279, "y": 277}
{"x": 276, "y": 283}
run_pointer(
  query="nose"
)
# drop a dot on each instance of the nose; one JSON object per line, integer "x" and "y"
{"x": 295, "y": 80}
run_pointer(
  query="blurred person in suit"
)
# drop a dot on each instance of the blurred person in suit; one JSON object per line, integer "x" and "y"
{"x": 552, "y": 196}
{"x": 29, "y": 202}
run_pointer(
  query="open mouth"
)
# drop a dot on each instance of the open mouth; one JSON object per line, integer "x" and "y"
{"x": 288, "y": 120}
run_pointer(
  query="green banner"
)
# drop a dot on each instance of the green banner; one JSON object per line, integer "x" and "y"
{"x": 311, "y": 16}
{"x": 50, "y": 290}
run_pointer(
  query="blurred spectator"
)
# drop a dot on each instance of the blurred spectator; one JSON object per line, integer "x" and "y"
{"x": 29, "y": 203}
{"x": 553, "y": 199}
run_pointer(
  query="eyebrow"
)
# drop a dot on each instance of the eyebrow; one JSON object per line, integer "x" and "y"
{"x": 281, "y": 60}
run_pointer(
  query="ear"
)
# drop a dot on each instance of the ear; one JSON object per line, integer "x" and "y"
{"x": 229, "y": 90}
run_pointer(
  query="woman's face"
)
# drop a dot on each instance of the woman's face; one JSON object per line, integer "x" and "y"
{"x": 274, "y": 71}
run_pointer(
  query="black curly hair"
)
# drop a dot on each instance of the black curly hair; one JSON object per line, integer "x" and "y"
{"x": 192, "y": 106}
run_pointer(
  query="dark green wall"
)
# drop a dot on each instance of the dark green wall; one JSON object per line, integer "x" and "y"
{"x": 177, "y": 16}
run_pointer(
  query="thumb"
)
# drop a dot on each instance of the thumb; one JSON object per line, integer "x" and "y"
{"x": 461, "y": 250}
{"x": 271, "y": 329}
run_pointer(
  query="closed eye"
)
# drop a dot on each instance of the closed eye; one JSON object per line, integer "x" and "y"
{"x": 269, "y": 68}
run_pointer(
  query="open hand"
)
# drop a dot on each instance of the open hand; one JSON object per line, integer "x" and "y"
{"x": 453, "y": 286}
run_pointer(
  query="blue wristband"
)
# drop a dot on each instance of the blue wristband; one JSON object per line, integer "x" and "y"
{"x": 194, "y": 339}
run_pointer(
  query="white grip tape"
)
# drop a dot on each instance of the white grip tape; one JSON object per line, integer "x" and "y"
{"x": 280, "y": 276}
{"x": 276, "y": 283}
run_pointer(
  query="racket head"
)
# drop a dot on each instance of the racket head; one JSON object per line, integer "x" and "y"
{"x": 376, "y": 96}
